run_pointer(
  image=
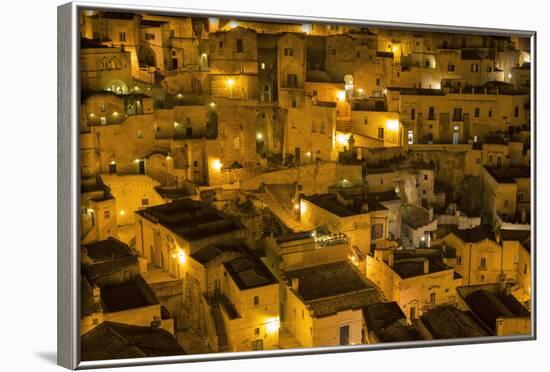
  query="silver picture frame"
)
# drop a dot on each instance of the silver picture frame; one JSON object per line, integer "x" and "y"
{"x": 68, "y": 181}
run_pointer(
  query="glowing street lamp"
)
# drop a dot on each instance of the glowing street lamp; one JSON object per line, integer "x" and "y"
{"x": 230, "y": 83}
{"x": 259, "y": 136}
{"x": 273, "y": 325}
{"x": 217, "y": 165}
{"x": 392, "y": 125}
{"x": 342, "y": 139}
{"x": 341, "y": 95}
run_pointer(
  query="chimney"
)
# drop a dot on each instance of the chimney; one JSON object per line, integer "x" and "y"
{"x": 390, "y": 259}
{"x": 295, "y": 283}
{"x": 155, "y": 324}
{"x": 426, "y": 266}
{"x": 97, "y": 294}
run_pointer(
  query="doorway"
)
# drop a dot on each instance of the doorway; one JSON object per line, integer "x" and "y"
{"x": 344, "y": 335}
{"x": 141, "y": 166}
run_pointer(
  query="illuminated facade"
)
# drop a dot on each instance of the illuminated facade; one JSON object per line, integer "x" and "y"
{"x": 281, "y": 185}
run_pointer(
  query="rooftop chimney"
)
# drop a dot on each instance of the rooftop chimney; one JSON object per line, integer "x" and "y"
{"x": 426, "y": 266}
{"x": 96, "y": 292}
{"x": 295, "y": 283}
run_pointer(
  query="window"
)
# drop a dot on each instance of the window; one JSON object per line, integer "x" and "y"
{"x": 459, "y": 260}
{"x": 490, "y": 113}
{"x": 377, "y": 231}
{"x": 95, "y": 321}
{"x": 195, "y": 163}
{"x": 431, "y": 113}
{"x": 333, "y": 52}
{"x": 413, "y": 114}
{"x": 410, "y": 137}
{"x": 516, "y": 111}
{"x": 303, "y": 314}
{"x": 106, "y": 214}
{"x": 139, "y": 134}
{"x": 476, "y": 112}
{"x": 474, "y": 67}
{"x": 489, "y": 69}
{"x": 220, "y": 44}
{"x": 256, "y": 331}
{"x": 490, "y": 158}
{"x": 520, "y": 196}
{"x": 366, "y": 121}
{"x": 423, "y": 192}
{"x": 256, "y": 300}
{"x": 457, "y": 114}
{"x": 483, "y": 262}
{"x": 292, "y": 80}
{"x": 377, "y": 82}
{"x": 102, "y": 108}
{"x": 425, "y": 177}
{"x": 240, "y": 48}
{"x": 289, "y": 52}
{"x": 122, "y": 36}
{"x": 482, "y": 278}
{"x": 358, "y": 54}
{"x": 149, "y": 36}
{"x": 145, "y": 201}
{"x": 258, "y": 345}
{"x": 432, "y": 298}
{"x": 381, "y": 181}
{"x": 262, "y": 66}
{"x": 524, "y": 268}
{"x": 381, "y": 133}
{"x": 450, "y": 68}
{"x": 506, "y": 203}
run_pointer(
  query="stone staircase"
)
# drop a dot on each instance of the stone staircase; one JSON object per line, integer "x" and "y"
{"x": 223, "y": 344}
{"x": 276, "y": 208}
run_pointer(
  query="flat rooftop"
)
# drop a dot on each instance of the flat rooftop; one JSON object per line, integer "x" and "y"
{"x": 191, "y": 219}
{"x": 331, "y": 203}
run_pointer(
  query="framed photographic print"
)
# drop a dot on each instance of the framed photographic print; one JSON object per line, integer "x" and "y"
{"x": 236, "y": 185}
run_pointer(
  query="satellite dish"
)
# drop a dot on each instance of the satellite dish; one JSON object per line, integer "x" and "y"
{"x": 348, "y": 79}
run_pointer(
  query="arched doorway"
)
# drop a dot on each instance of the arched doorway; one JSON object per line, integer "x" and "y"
{"x": 147, "y": 57}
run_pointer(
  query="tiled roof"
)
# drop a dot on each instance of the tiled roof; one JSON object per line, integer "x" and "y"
{"x": 111, "y": 340}
{"x": 131, "y": 294}
{"x": 449, "y": 322}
